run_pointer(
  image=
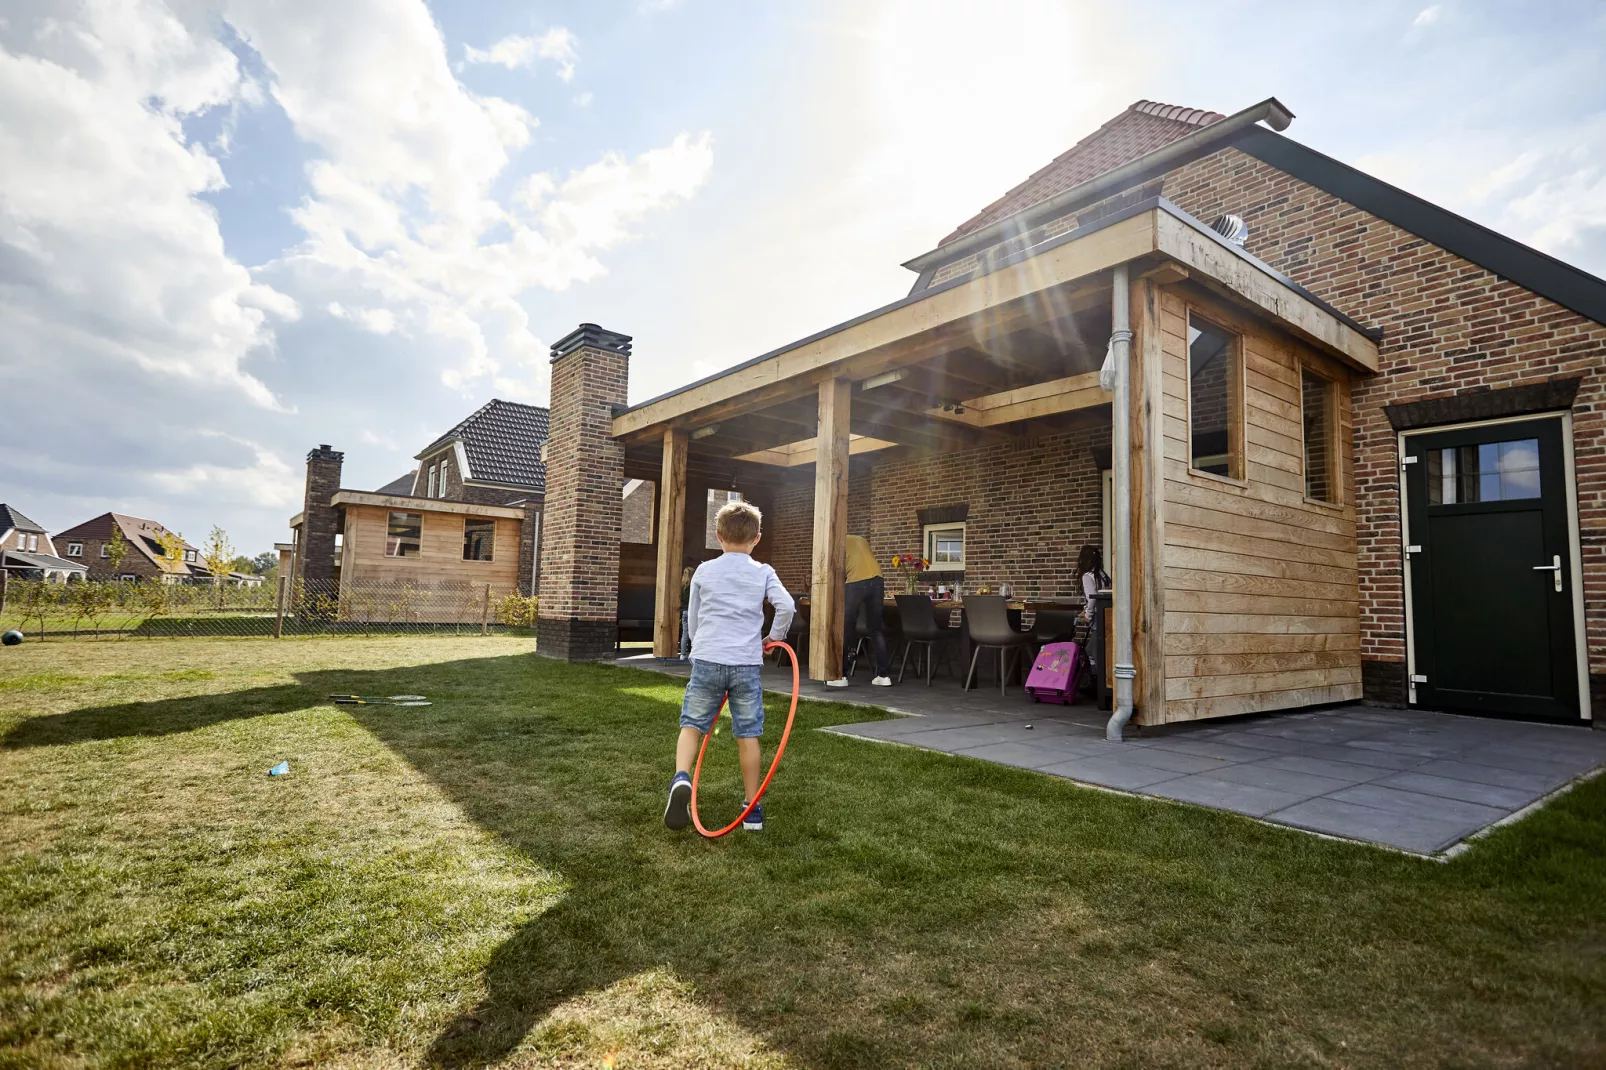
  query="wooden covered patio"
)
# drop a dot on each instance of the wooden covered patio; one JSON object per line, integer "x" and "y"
{"x": 1012, "y": 354}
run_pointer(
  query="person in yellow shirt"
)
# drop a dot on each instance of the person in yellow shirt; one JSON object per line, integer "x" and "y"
{"x": 865, "y": 588}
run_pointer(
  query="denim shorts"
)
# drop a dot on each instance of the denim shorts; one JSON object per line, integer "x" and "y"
{"x": 710, "y": 683}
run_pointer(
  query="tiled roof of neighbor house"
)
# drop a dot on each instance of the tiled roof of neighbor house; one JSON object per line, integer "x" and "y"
{"x": 10, "y": 518}
{"x": 503, "y": 442}
{"x": 400, "y": 485}
{"x": 38, "y": 560}
{"x": 141, "y": 533}
{"x": 1142, "y": 128}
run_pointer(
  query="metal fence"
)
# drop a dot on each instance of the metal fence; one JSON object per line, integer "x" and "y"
{"x": 150, "y": 609}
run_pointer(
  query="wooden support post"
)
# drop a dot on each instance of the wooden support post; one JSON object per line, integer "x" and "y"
{"x": 826, "y": 593}
{"x": 4, "y": 579}
{"x": 278, "y": 613}
{"x": 485, "y": 613}
{"x": 671, "y": 544}
{"x": 1148, "y": 511}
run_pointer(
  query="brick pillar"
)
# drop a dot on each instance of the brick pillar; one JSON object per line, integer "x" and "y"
{"x": 583, "y": 512}
{"x": 315, "y": 559}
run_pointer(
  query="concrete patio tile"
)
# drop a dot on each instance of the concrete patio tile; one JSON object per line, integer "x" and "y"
{"x": 1029, "y": 755}
{"x": 1356, "y": 822}
{"x": 1414, "y": 804}
{"x": 1265, "y": 775}
{"x": 958, "y": 739}
{"x": 1345, "y": 752}
{"x": 1269, "y": 744}
{"x": 1207, "y": 790}
{"x": 1531, "y": 760}
{"x": 1488, "y": 774}
{"x": 1421, "y": 749}
{"x": 1111, "y": 773}
{"x": 1349, "y": 772}
{"x": 1175, "y": 761}
{"x": 896, "y": 728}
{"x": 1465, "y": 790}
{"x": 1220, "y": 749}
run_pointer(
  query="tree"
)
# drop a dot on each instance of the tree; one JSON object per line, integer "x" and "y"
{"x": 264, "y": 563}
{"x": 116, "y": 548}
{"x": 172, "y": 544}
{"x": 219, "y": 559}
{"x": 241, "y": 563}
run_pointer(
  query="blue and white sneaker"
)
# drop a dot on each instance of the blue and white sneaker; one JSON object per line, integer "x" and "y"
{"x": 754, "y": 821}
{"x": 677, "y": 814}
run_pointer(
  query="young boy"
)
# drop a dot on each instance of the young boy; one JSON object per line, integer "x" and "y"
{"x": 725, "y": 618}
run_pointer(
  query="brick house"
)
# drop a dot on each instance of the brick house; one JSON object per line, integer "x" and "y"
{"x": 27, "y": 551}
{"x": 1363, "y": 441}
{"x": 90, "y": 544}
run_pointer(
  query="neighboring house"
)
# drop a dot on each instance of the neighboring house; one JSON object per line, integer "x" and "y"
{"x": 90, "y": 545}
{"x": 27, "y": 551}
{"x": 468, "y": 518}
{"x": 1368, "y": 436}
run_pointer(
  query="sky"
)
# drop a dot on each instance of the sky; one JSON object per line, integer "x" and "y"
{"x": 232, "y": 230}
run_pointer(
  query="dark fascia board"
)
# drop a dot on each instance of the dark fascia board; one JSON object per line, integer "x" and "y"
{"x": 1554, "y": 395}
{"x": 1529, "y": 268}
{"x": 1147, "y": 205}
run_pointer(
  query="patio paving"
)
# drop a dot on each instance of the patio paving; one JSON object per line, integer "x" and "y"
{"x": 1413, "y": 780}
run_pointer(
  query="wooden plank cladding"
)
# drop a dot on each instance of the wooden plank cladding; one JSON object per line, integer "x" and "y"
{"x": 437, "y": 567}
{"x": 1261, "y": 592}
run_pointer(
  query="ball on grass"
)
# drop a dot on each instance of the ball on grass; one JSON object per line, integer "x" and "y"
{"x": 11, "y": 638}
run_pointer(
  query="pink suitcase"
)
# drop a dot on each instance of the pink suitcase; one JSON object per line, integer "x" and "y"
{"x": 1056, "y": 673}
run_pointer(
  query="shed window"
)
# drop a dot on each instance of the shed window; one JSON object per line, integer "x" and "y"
{"x": 402, "y": 537}
{"x": 1215, "y": 407}
{"x": 75, "y": 549}
{"x": 1317, "y": 396}
{"x": 479, "y": 538}
{"x": 945, "y": 547}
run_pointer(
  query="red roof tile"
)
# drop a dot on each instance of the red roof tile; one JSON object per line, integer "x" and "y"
{"x": 1142, "y": 128}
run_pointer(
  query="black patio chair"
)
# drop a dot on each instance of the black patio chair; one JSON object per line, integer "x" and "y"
{"x": 988, "y": 618}
{"x": 1055, "y": 626}
{"x": 920, "y": 628}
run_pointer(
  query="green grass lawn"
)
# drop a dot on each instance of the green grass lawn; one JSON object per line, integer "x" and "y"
{"x": 487, "y": 880}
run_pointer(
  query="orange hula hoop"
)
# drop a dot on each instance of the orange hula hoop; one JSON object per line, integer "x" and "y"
{"x": 775, "y": 762}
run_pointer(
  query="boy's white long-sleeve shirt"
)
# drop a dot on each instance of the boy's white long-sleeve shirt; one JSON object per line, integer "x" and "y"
{"x": 725, "y": 612}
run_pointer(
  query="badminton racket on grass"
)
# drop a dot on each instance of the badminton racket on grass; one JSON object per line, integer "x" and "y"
{"x": 381, "y": 698}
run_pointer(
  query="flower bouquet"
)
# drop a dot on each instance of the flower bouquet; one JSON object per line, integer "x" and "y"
{"x": 909, "y": 566}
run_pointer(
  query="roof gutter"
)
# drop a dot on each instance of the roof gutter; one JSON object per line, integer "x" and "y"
{"x": 1192, "y": 146}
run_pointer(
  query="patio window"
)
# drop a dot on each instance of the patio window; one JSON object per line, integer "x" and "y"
{"x": 1215, "y": 400}
{"x": 403, "y": 536}
{"x": 75, "y": 549}
{"x": 945, "y": 547}
{"x": 716, "y": 502}
{"x": 430, "y": 490}
{"x": 479, "y": 538}
{"x": 1317, "y": 396}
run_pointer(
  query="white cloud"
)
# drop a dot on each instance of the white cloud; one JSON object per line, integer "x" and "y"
{"x": 524, "y": 50}
{"x": 265, "y": 481}
{"x": 1428, "y": 15}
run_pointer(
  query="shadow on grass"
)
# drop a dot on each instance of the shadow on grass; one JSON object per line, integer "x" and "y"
{"x": 908, "y": 908}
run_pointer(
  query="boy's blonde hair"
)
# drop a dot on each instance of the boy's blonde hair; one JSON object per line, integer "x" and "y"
{"x": 738, "y": 522}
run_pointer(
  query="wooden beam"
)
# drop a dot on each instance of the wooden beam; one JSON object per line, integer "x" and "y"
{"x": 1148, "y": 509}
{"x": 794, "y": 454}
{"x": 830, "y": 530}
{"x": 1028, "y": 402}
{"x": 671, "y": 544}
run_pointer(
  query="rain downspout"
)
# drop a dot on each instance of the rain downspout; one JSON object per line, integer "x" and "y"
{"x": 1121, "y": 478}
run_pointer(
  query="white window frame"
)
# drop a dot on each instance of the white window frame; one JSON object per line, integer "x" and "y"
{"x": 441, "y": 486}
{"x": 33, "y": 544}
{"x": 105, "y": 550}
{"x": 75, "y": 549}
{"x": 928, "y": 552}
{"x": 429, "y": 491}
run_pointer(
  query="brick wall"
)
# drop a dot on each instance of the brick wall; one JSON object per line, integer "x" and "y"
{"x": 579, "y": 585}
{"x": 1032, "y": 505}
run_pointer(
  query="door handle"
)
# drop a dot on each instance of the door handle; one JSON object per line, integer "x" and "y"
{"x": 1554, "y": 566}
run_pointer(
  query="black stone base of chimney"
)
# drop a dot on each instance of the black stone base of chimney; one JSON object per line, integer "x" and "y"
{"x": 1383, "y": 683}
{"x": 576, "y": 640}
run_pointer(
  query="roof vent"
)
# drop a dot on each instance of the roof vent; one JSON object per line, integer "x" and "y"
{"x": 1231, "y": 227}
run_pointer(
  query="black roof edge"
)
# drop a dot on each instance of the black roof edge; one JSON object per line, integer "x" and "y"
{"x": 1558, "y": 281}
{"x": 1110, "y": 220}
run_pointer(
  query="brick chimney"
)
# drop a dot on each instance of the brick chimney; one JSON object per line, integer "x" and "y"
{"x": 320, "y": 520}
{"x": 583, "y": 511}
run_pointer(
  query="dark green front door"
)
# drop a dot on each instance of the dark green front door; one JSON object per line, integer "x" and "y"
{"x": 1491, "y": 574}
